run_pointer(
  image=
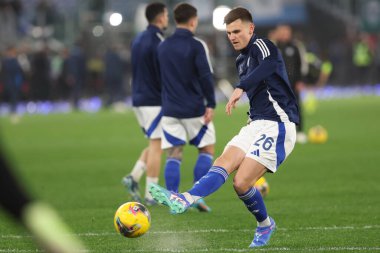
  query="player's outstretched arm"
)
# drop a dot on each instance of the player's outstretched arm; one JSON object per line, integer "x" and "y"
{"x": 236, "y": 95}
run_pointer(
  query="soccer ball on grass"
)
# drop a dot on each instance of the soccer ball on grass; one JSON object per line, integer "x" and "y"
{"x": 317, "y": 134}
{"x": 132, "y": 219}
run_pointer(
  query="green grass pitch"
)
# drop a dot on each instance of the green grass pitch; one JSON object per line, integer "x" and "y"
{"x": 324, "y": 198}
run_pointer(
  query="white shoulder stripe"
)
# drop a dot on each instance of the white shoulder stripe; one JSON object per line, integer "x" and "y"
{"x": 262, "y": 52}
{"x": 159, "y": 35}
{"x": 263, "y": 48}
{"x": 207, "y": 53}
{"x": 260, "y": 44}
{"x": 280, "y": 112}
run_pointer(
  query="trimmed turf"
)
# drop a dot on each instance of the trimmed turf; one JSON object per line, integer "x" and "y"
{"x": 324, "y": 198}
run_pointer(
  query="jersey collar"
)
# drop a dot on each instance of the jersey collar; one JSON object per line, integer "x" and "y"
{"x": 183, "y": 32}
{"x": 154, "y": 29}
{"x": 250, "y": 44}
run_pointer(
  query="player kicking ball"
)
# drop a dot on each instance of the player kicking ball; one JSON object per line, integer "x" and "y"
{"x": 263, "y": 144}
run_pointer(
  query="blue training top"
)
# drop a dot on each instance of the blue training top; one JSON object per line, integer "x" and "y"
{"x": 146, "y": 86}
{"x": 263, "y": 77}
{"x": 186, "y": 76}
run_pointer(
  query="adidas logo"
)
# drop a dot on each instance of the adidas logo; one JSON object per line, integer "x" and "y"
{"x": 256, "y": 152}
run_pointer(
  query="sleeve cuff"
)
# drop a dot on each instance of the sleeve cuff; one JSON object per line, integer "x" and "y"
{"x": 241, "y": 86}
{"x": 211, "y": 105}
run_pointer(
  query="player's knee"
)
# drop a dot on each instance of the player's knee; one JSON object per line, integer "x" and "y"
{"x": 210, "y": 149}
{"x": 175, "y": 152}
{"x": 155, "y": 145}
{"x": 241, "y": 185}
{"x": 222, "y": 162}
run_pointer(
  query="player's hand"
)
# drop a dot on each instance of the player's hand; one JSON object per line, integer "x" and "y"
{"x": 236, "y": 95}
{"x": 300, "y": 86}
{"x": 209, "y": 115}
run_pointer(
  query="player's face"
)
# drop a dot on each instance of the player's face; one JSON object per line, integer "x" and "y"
{"x": 239, "y": 33}
{"x": 165, "y": 19}
{"x": 194, "y": 23}
{"x": 284, "y": 33}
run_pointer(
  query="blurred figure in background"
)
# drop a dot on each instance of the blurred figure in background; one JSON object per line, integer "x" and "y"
{"x": 293, "y": 62}
{"x": 56, "y": 66}
{"x": 40, "y": 75}
{"x": 12, "y": 75}
{"x": 95, "y": 66}
{"x": 76, "y": 73}
{"x": 113, "y": 75}
{"x": 362, "y": 58}
{"x": 41, "y": 220}
{"x": 146, "y": 97}
{"x": 188, "y": 99}
{"x": 318, "y": 71}
{"x": 59, "y": 68}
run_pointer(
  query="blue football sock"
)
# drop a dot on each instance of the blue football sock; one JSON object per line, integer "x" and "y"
{"x": 210, "y": 182}
{"x": 202, "y": 165}
{"x": 172, "y": 174}
{"x": 255, "y": 204}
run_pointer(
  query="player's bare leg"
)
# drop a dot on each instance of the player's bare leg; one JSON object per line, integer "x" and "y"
{"x": 212, "y": 181}
{"x": 131, "y": 181}
{"x": 153, "y": 167}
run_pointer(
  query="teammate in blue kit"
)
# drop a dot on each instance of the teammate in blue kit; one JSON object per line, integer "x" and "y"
{"x": 146, "y": 96}
{"x": 188, "y": 98}
{"x": 263, "y": 144}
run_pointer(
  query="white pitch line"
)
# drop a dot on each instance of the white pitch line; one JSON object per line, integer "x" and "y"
{"x": 200, "y": 231}
{"x": 19, "y": 250}
{"x": 311, "y": 249}
{"x": 328, "y": 249}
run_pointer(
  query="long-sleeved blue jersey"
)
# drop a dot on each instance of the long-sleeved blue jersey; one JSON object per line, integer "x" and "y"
{"x": 186, "y": 76}
{"x": 263, "y": 77}
{"x": 146, "y": 86}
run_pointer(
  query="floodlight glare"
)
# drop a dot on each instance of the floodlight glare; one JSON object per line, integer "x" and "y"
{"x": 116, "y": 19}
{"x": 218, "y": 17}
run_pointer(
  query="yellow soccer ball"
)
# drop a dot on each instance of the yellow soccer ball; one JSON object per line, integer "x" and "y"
{"x": 317, "y": 134}
{"x": 263, "y": 186}
{"x": 132, "y": 219}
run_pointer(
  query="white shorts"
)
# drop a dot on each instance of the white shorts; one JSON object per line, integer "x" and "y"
{"x": 177, "y": 131}
{"x": 268, "y": 142}
{"x": 149, "y": 118}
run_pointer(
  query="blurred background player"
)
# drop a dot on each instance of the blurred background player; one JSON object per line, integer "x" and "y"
{"x": 263, "y": 144}
{"x": 76, "y": 73}
{"x": 12, "y": 76}
{"x": 187, "y": 82}
{"x": 146, "y": 99}
{"x": 283, "y": 37}
{"x": 40, "y": 219}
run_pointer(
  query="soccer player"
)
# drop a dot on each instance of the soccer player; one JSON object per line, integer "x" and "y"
{"x": 263, "y": 144}
{"x": 146, "y": 96}
{"x": 188, "y": 98}
{"x": 40, "y": 219}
